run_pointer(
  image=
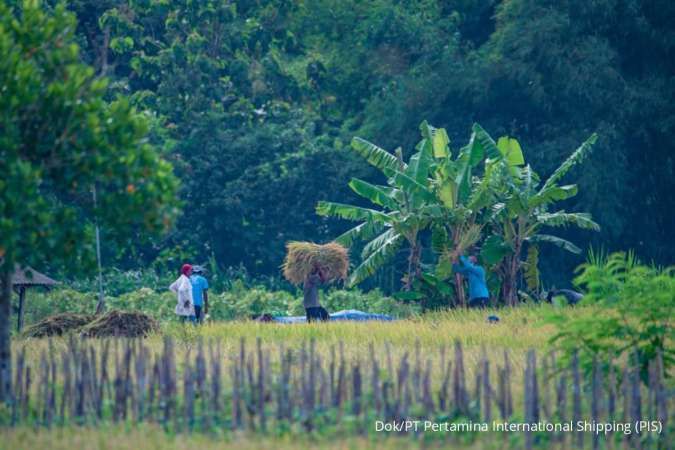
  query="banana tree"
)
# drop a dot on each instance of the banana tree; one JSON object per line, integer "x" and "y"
{"x": 518, "y": 220}
{"x": 467, "y": 199}
{"x": 402, "y": 209}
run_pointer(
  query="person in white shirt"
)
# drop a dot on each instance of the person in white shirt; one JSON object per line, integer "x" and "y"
{"x": 182, "y": 287}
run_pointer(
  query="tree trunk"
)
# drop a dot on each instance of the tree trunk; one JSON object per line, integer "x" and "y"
{"x": 413, "y": 266}
{"x": 510, "y": 285}
{"x": 5, "y": 349}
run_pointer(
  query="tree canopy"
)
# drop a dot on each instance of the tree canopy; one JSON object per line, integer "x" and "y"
{"x": 61, "y": 142}
{"x": 255, "y": 104}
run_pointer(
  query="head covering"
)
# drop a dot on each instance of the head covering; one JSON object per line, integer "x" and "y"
{"x": 198, "y": 269}
{"x": 185, "y": 269}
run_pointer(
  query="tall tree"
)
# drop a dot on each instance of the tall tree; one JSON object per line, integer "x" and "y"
{"x": 59, "y": 140}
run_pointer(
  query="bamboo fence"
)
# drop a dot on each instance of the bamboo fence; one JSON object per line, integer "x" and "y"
{"x": 255, "y": 389}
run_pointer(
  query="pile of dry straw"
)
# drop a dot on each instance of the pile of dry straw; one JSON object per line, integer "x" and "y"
{"x": 57, "y": 325}
{"x": 121, "y": 323}
{"x": 303, "y": 257}
{"x": 113, "y": 323}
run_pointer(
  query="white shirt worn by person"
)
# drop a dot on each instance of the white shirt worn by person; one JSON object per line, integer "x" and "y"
{"x": 184, "y": 302}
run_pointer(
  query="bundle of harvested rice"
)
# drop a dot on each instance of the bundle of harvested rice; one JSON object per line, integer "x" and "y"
{"x": 303, "y": 257}
{"x": 122, "y": 324}
{"x": 58, "y": 325}
{"x": 467, "y": 239}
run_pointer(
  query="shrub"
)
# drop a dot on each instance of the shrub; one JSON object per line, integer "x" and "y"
{"x": 373, "y": 301}
{"x": 635, "y": 305}
{"x": 237, "y": 302}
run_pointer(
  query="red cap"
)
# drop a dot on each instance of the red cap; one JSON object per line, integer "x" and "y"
{"x": 185, "y": 269}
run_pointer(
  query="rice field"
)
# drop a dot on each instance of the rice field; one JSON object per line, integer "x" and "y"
{"x": 425, "y": 342}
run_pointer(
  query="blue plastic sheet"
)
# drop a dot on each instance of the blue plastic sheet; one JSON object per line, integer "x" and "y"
{"x": 347, "y": 314}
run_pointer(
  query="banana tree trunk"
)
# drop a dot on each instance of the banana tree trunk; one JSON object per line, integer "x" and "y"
{"x": 413, "y": 265}
{"x": 459, "y": 287}
{"x": 459, "y": 280}
{"x": 510, "y": 285}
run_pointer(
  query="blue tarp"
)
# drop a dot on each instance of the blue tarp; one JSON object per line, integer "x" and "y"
{"x": 347, "y": 314}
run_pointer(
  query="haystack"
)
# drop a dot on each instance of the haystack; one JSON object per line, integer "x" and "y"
{"x": 58, "y": 325}
{"x": 122, "y": 324}
{"x": 302, "y": 257}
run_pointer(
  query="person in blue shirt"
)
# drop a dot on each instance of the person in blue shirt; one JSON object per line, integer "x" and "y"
{"x": 200, "y": 296}
{"x": 478, "y": 292}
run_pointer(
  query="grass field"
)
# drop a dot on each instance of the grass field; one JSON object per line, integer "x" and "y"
{"x": 517, "y": 331}
{"x": 153, "y": 438}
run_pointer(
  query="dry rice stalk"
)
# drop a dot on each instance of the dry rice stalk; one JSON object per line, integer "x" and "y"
{"x": 121, "y": 323}
{"x": 302, "y": 257}
{"x": 57, "y": 325}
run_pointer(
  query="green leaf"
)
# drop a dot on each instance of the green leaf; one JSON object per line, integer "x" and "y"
{"x": 363, "y": 231}
{"x": 494, "y": 249}
{"x": 375, "y": 155}
{"x": 560, "y": 242}
{"x": 441, "y": 144}
{"x": 575, "y": 158}
{"x": 510, "y": 149}
{"x": 409, "y": 185}
{"x": 552, "y": 194}
{"x": 486, "y": 142}
{"x": 376, "y": 260}
{"x": 377, "y": 242}
{"x": 350, "y": 212}
{"x": 443, "y": 269}
{"x": 420, "y": 162}
{"x": 439, "y": 238}
{"x": 373, "y": 193}
{"x": 446, "y": 192}
{"x": 562, "y": 219}
{"x": 408, "y": 295}
{"x": 475, "y": 151}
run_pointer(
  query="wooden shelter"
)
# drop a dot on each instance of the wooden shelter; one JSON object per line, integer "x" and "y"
{"x": 24, "y": 278}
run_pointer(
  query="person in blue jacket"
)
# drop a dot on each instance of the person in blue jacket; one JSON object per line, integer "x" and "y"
{"x": 200, "y": 293}
{"x": 478, "y": 292}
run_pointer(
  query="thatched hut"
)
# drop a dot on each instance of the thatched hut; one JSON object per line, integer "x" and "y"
{"x": 24, "y": 278}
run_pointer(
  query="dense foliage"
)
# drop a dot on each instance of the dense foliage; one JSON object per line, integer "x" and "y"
{"x": 481, "y": 194}
{"x": 237, "y": 301}
{"x": 254, "y": 102}
{"x": 634, "y": 307}
{"x": 68, "y": 157}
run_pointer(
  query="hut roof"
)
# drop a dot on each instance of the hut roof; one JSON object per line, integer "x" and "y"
{"x": 28, "y": 276}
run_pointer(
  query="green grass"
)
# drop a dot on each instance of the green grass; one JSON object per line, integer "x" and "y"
{"x": 147, "y": 437}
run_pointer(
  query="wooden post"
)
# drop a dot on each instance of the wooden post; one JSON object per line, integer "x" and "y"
{"x": 19, "y": 318}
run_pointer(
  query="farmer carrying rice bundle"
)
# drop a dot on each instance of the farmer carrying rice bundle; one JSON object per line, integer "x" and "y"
{"x": 312, "y": 265}
{"x": 479, "y": 296}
